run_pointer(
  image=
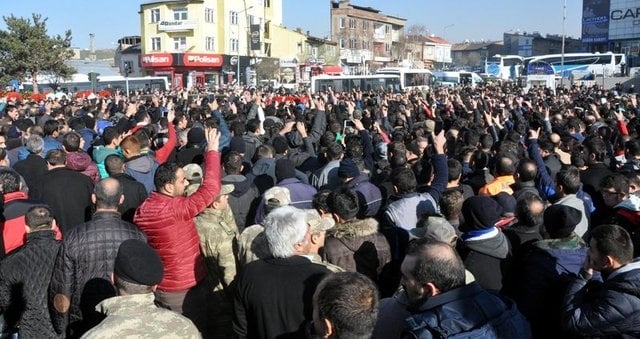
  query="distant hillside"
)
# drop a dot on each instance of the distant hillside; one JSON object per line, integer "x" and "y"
{"x": 101, "y": 54}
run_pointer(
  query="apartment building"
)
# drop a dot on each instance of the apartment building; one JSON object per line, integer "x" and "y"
{"x": 367, "y": 38}
{"x": 202, "y": 42}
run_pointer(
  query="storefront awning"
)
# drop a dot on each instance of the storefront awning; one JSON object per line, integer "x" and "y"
{"x": 332, "y": 69}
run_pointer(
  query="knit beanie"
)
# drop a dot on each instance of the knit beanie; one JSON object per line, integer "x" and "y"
{"x": 285, "y": 169}
{"x": 480, "y": 212}
{"x": 348, "y": 168}
{"x": 561, "y": 220}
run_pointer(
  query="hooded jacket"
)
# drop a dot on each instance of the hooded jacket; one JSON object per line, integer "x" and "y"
{"x": 142, "y": 168}
{"x": 243, "y": 200}
{"x": 102, "y": 152}
{"x": 81, "y": 162}
{"x": 357, "y": 246}
{"x": 485, "y": 258}
{"x": 263, "y": 174}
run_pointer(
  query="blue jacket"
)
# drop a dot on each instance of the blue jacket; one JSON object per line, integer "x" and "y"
{"x": 369, "y": 196}
{"x": 301, "y": 196}
{"x": 49, "y": 144}
{"x": 610, "y": 308}
{"x": 467, "y": 312}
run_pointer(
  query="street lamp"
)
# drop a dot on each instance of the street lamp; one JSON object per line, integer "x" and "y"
{"x": 564, "y": 17}
{"x": 444, "y": 34}
{"x": 238, "y": 45}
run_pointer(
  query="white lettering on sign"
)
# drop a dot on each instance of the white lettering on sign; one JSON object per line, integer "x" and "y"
{"x": 203, "y": 59}
{"x": 152, "y": 59}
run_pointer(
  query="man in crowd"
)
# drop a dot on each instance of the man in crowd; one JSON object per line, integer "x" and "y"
{"x": 133, "y": 313}
{"x": 610, "y": 308}
{"x": 167, "y": 218}
{"x": 81, "y": 278}
{"x": 133, "y": 191}
{"x": 273, "y": 296}
{"x": 345, "y": 305}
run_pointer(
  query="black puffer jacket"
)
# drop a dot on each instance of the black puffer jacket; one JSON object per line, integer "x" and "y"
{"x": 83, "y": 270}
{"x": 24, "y": 278}
{"x": 608, "y": 309}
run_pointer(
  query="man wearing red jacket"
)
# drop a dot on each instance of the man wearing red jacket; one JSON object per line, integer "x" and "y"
{"x": 166, "y": 217}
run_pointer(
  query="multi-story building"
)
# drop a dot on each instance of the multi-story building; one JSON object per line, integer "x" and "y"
{"x": 367, "y": 38}
{"x": 205, "y": 41}
{"x": 127, "y": 56}
{"x": 472, "y": 55}
{"x": 530, "y": 44}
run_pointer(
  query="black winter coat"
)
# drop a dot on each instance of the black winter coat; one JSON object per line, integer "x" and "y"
{"x": 134, "y": 194}
{"x": 24, "y": 279}
{"x": 84, "y": 266}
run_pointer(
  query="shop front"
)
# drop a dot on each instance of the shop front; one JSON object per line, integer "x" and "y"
{"x": 185, "y": 70}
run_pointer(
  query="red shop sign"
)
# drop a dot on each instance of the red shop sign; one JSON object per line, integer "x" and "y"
{"x": 156, "y": 60}
{"x": 206, "y": 60}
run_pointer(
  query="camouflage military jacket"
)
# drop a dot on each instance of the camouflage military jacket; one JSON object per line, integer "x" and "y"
{"x": 136, "y": 316}
{"x": 218, "y": 239}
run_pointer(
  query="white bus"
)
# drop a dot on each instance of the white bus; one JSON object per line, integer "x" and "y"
{"x": 410, "y": 78}
{"x": 577, "y": 65}
{"x": 365, "y": 83}
{"x": 452, "y": 79}
{"x": 504, "y": 67}
{"x": 80, "y": 82}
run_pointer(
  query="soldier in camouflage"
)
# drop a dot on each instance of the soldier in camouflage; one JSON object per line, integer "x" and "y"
{"x": 133, "y": 314}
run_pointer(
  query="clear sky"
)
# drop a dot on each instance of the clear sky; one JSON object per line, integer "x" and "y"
{"x": 456, "y": 20}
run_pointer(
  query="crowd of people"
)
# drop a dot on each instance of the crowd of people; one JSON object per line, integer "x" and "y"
{"x": 486, "y": 211}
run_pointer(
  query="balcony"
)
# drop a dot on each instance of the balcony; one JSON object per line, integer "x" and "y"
{"x": 177, "y": 25}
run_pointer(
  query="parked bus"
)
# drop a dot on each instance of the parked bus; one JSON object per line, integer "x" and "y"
{"x": 451, "y": 79}
{"x": 80, "y": 82}
{"x": 410, "y": 78}
{"x": 365, "y": 83}
{"x": 577, "y": 65}
{"x": 504, "y": 67}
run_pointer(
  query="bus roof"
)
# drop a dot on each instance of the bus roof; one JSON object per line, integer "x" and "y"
{"x": 402, "y": 69}
{"x": 376, "y": 76}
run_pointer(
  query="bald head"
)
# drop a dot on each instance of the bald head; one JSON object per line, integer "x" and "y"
{"x": 107, "y": 194}
{"x": 555, "y": 138}
{"x": 437, "y": 263}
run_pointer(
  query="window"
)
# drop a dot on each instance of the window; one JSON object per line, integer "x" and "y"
{"x": 209, "y": 44}
{"x": 353, "y": 44}
{"x": 387, "y": 47}
{"x": 155, "y": 15}
{"x": 180, "y": 13}
{"x": 352, "y": 23}
{"x": 155, "y": 44}
{"x": 365, "y": 25}
{"x": 209, "y": 15}
{"x": 180, "y": 43}
{"x": 342, "y": 20}
{"x": 387, "y": 29}
{"x": 233, "y": 17}
{"x": 365, "y": 44}
{"x": 341, "y": 43}
{"x": 234, "y": 44}
{"x": 267, "y": 3}
{"x": 251, "y": 19}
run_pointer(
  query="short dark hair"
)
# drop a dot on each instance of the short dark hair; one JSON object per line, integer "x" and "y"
{"x": 569, "y": 179}
{"x": 165, "y": 174}
{"x": 334, "y": 151}
{"x": 524, "y": 212}
{"x": 56, "y": 157}
{"x": 109, "y": 134}
{"x": 344, "y": 203}
{"x": 108, "y": 192}
{"x": 349, "y": 300}
{"x": 10, "y": 180}
{"x": 437, "y": 263}
{"x": 113, "y": 164}
{"x": 143, "y": 137}
{"x": 233, "y": 163}
{"x": 50, "y": 126}
{"x": 455, "y": 169}
{"x": 633, "y": 147}
{"x": 253, "y": 125}
{"x": 595, "y": 146}
{"x": 451, "y": 203}
{"x": 404, "y": 180}
{"x": 321, "y": 201}
{"x": 486, "y": 141}
{"x": 527, "y": 170}
{"x": 263, "y": 151}
{"x": 617, "y": 181}
{"x": 614, "y": 241}
{"x": 39, "y": 218}
{"x": 71, "y": 141}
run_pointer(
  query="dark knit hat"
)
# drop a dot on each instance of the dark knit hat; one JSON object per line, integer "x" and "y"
{"x": 348, "y": 168}
{"x": 237, "y": 144}
{"x": 138, "y": 263}
{"x": 195, "y": 136}
{"x": 561, "y": 220}
{"x": 507, "y": 202}
{"x": 480, "y": 212}
{"x": 285, "y": 169}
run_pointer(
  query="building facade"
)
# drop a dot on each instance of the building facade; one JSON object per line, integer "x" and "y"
{"x": 205, "y": 42}
{"x": 472, "y": 55}
{"x": 367, "y": 39}
{"x": 612, "y": 25}
{"x": 530, "y": 44}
